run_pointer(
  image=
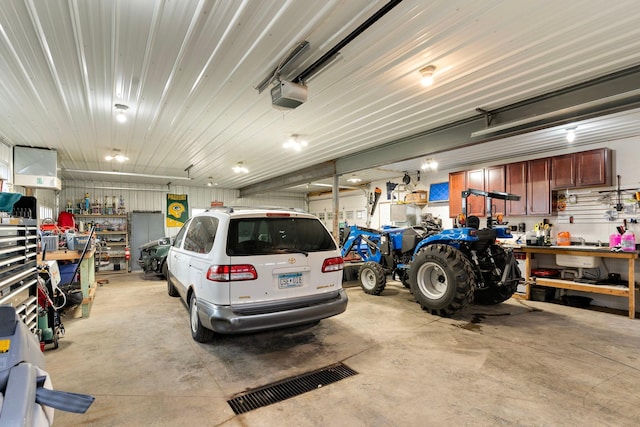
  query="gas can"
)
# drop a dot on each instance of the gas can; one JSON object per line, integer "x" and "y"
{"x": 614, "y": 240}
{"x": 628, "y": 241}
{"x": 564, "y": 238}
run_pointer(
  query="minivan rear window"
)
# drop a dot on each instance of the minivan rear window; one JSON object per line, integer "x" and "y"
{"x": 261, "y": 236}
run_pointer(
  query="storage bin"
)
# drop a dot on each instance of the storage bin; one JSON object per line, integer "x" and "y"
{"x": 541, "y": 293}
{"x": 66, "y": 273}
{"x": 81, "y": 241}
{"x": 50, "y": 243}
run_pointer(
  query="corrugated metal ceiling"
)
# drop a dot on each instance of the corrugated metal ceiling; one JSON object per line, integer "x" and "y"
{"x": 188, "y": 71}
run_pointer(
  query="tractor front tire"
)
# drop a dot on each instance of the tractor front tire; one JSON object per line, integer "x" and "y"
{"x": 372, "y": 278}
{"x": 442, "y": 280}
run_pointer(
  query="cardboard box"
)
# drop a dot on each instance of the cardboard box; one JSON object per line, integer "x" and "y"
{"x": 417, "y": 197}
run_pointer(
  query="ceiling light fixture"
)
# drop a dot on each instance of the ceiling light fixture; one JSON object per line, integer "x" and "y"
{"x": 571, "y": 135}
{"x": 210, "y": 183}
{"x": 430, "y": 165}
{"x": 120, "y": 112}
{"x": 427, "y": 75}
{"x": 139, "y": 175}
{"x": 116, "y": 155}
{"x": 240, "y": 168}
{"x": 294, "y": 143}
{"x": 354, "y": 179}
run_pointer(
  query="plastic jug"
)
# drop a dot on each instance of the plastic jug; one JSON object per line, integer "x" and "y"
{"x": 615, "y": 240}
{"x": 628, "y": 241}
{"x": 71, "y": 239}
{"x": 564, "y": 238}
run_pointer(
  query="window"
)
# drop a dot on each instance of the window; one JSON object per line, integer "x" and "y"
{"x": 201, "y": 233}
{"x": 45, "y": 212}
{"x": 349, "y": 214}
{"x": 255, "y": 236}
{"x": 180, "y": 237}
{"x": 361, "y": 214}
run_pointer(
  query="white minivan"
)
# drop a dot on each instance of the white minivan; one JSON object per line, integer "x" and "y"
{"x": 248, "y": 269}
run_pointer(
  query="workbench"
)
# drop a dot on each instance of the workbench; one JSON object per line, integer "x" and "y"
{"x": 87, "y": 271}
{"x": 628, "y": 292}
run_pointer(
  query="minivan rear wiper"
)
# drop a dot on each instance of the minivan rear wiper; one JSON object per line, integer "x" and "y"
{"x": 294, "y": 251}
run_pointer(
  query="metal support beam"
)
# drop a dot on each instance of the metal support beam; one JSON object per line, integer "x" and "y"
{"x": 302, "y": 176}
{"x": 431, "y": 142}
{"x": 336, "y": 206}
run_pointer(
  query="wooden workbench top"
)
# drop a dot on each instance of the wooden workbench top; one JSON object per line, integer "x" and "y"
{"x": 65, "y": 255}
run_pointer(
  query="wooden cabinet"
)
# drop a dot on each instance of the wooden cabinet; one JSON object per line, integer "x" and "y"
{"x": 516, "y": 183}
{"x": 593, "y": 168}
{"x": 460, "y": 181}
{"x": 489, "y": 179}
{"x": 584, "y": 169}
{"x": 457, "y": 183}
{"x": 563, "y": 170}
{"x": 475, "y": 204}
{"x": 539, "y": 187}
{"x": 531, "y": 181}
{"x": 494, "y": 180}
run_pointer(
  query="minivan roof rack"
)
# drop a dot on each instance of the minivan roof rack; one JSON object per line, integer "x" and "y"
{"x": 231, "y": 209}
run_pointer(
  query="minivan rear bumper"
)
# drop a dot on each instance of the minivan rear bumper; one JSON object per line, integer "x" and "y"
{"x": 226, "y": 319}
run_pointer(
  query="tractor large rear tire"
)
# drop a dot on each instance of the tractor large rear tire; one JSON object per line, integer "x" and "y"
{"x": 372, "y": 278}
{"x": 493, "y": 294}
{"x": 442, "y": 280}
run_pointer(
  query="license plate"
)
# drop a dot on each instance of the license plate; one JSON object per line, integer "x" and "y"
{"x": 291, "y": 280}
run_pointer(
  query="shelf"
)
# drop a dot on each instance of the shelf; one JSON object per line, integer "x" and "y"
{"x": 621, "y": 291}
{"x": 112, "y": 251}
{"x": 101, "y": 216}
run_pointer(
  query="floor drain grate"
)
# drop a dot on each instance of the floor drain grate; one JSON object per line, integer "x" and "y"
{"x": 285, "y": 389}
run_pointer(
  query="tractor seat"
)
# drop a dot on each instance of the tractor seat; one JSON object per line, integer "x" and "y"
{"x": 473, "y": 222}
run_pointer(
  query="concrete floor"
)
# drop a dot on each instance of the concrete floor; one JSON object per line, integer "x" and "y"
{"x": 521, "y": 363}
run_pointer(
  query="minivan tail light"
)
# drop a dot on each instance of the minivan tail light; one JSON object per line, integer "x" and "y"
{"x": 332, "y": 264}
{"x": 231, "y": 273}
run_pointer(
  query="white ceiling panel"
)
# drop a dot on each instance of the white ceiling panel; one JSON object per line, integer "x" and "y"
{"x": 188, "y": 70}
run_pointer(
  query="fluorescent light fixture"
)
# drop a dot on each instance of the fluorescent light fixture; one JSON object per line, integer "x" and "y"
{"x": 354, "y": 179}
{"x": 240, "y": 168}
{"x": 294, "y": 143}
{"x": 120, "y": 112}
{"x": 547, "y": 118}
{"x": 122, "y": 188}
{"x": 427, "y": 75}
{"x": 571, "y": 135}
{"x": 139, "y": 175}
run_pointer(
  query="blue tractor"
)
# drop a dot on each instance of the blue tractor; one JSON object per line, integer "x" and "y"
{"x": 446, "y": 270}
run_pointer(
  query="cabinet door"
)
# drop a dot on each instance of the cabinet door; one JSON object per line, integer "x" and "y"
{"x": 475, "y": 204}
{"x": 457, "y": 183}
{"x": 539, "y": 187}
{"x": 516, "y": 183}
{"x": 494, "y": 181}
{"x": 593, "y": 168}
{"x": 563, "y": 171}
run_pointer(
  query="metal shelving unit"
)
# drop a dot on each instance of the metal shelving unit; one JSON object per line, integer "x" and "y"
{"x": 112, "y": 241}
